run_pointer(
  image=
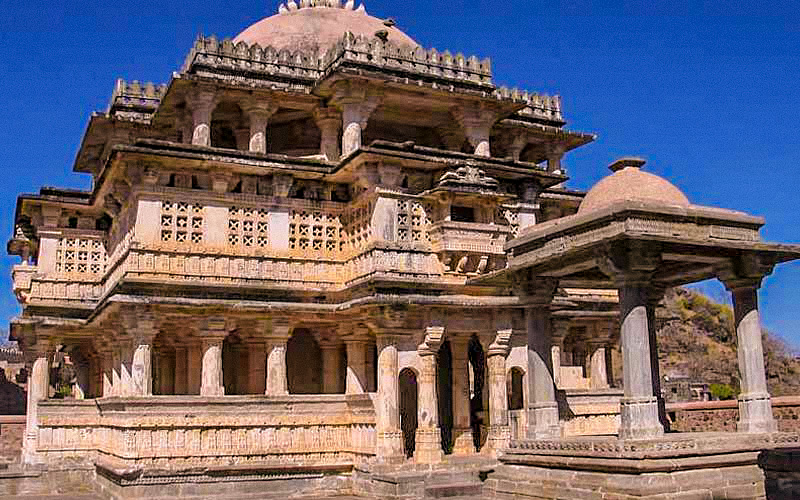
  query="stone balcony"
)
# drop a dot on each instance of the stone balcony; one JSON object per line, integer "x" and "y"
{"x": 469, "y": 247}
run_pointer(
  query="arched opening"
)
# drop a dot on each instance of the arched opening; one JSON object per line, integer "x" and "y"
{"x": 408, "y": 409}
{"x": 234, "y": 365}
{"x": 303, "y": 363}
{"x": 478, "y": 417}
{"x": 516, "y": 399}
{"x": 444, "y": 390}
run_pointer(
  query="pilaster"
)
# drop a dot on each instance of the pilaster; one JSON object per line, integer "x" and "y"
{"x": 387, "y": 418}
{"x": 277, "y": 382}
{"x": 428, "y": 437}
{"x": 212, "y": 336}
{"x": 499, "y": 430}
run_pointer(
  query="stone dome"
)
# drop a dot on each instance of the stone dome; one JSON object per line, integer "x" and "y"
{"x": 629, "y": 182}
{"x": 302, "y": 26}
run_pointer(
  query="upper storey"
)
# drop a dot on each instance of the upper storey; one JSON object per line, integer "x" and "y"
{"x": 317, "y": 70}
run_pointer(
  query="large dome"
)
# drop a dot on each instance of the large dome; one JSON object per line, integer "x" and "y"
{"x": 317, "y": 27}
{"x": 629, "y": 182}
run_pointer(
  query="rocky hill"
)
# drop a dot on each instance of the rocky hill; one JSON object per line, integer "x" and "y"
{"x": 696, "y": 338}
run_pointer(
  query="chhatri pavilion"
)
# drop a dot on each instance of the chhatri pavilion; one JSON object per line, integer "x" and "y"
{"x": 322, "y": 258}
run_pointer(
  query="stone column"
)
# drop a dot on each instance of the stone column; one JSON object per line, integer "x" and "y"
{"x": 108, "y": 373}
{"x": 356, "y": 382}
{"x": 38, "y": 390}
{"x": 639, "y": 407}
{"x": 331, "y": 352}
{"x": 542, "y": 406}
{"x": 277, "y": 382}
{"x": 329, "y": 122}
{"x": 755, "y": 405}
{"x": 142, "y": 371}
{"x": 125, "y": 364}
{"x": 387, "y": 406}
{"x": 560, "y": 331}
{"x": 428, "y": 437}
{"x": 554, "y": 156}
{"x": 212, "y": 368}
{"x": 202, "y": 104}
{"x": 195, "y": 368}
{"x": 259, "y": 113}
{"x": 181, "y": 371}
{"x": 477, "y": 122}
{"x": 598, "y": 376}
{"x": 357, "y": 102}
{"x": 499, "y": 431}
{"x": 211, "y": 378}
{"x": 653, "y": 298}
{"x": 257, "y": 365}
{"x": 116, "y": 371}
{"x": 463, "y": 443}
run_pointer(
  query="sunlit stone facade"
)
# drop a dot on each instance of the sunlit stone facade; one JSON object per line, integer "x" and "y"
{"x": 295, "y": 257}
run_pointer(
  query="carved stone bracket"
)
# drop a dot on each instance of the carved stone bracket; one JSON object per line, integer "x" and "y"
{"x": 434, "y": 336}
{"x": 502, "y": 343}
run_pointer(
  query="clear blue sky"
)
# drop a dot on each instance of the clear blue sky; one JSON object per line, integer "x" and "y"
{"x": 707, "y": 91}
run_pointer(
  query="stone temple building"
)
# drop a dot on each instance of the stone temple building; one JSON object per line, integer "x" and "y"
{"x": 325, "y": 259}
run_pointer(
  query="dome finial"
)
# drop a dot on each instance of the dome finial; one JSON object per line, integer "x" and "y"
{"x": 292, "y": 5}
{"x": 627, "y": 161}
{"x": 362, "y": 8}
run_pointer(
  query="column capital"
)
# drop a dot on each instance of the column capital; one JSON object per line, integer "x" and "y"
{"x": 201, "y": 98}
{"x": 327, "y": 117}
{"x": 280, "y": 329}
{"x": 214, "y": 327}
{"x": 434, "y": 336}
{"x": 260, "y": 107}
{"x": 533, "y": 290}
{"x": 502, "y": 343}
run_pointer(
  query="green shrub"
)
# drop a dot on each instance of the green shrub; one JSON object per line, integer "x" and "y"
{"x": 722, "y": 391}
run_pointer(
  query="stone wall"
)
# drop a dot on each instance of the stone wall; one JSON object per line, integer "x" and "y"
{"x": 311, "y": 430}
{"x": 12, "y": 428}
{"x": 706, "y": 416}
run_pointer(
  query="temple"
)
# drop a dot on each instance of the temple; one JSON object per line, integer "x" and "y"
{"x": 321, "y": 254}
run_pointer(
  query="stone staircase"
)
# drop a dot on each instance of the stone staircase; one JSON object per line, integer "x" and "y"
{"x": 457, "y": 478}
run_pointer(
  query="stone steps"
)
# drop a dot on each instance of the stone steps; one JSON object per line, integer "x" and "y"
{"x": 453, "y": 491}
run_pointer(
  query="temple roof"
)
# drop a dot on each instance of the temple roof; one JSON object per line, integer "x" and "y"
{"x": 306, "y": 27}
{"x": 629, "y": 182}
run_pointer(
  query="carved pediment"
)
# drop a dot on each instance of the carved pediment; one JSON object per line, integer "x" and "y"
{"x": 467, "y": 178}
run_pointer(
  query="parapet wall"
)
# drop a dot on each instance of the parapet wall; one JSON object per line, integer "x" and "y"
{"x": 708, "y": 416}
{"x": 12, "y": 428}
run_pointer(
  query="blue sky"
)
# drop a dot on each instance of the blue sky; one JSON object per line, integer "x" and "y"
{"x": 707, "y": 91}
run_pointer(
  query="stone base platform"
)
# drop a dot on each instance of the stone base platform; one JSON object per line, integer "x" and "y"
{"x": 252, "y": 480}
{"x": 675, "y": 466}
{"x": 454, "y": 478}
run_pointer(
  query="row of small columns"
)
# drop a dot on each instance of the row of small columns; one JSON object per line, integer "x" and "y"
{"x": 596, "y": 357}
{"x": 428, "y": 445}
{"x": 352, "y": 105}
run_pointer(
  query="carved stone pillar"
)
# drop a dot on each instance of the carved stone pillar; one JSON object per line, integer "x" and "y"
{"x": 755, "y": 405}
{"x": 38, "y": 390}
{"x": 463, "y": 443}
{"x": 329, "y": 122}
{"x": 181, "y": 370}
{"x": 277, "y": 381}
{"x": 477, "y": 122}
{"x": 655, "y": 294}
{"x": 357, "y": 102}
{"x": 141, "y": 381}
{"x": 428, "y": 437}
{"x": 542, "y": 408}
{"x": 202, "y": 104}
{"x": 108, "y": 372}
{"x": 598, "y": 375}
{"x": 125, "y": 364}
{"x": 211, "y": 378}
{"x": 331, "y": 354}
{"x": 639, "y": 417}
{"x": 257, "y": 365}
{"x": 499, "y": 430}
{"x": 212, "y": 368}
{"x": 259, "y": 113}
{"x": 356, "y": 382}
{"x": 560, "y": 332}
{"x": 387, "y": 407}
